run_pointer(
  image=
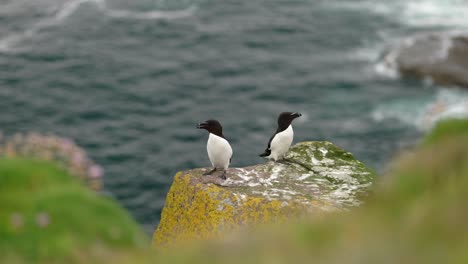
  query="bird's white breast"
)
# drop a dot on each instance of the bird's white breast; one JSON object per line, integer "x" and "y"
{"x": 281, "y": 142}
{"x": 219, "y": 151}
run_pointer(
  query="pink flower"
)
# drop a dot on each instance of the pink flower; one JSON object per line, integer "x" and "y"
{"x": 42, "y": 220}
{"x": 77, "y": 159}
{"x": 67, "y": 144}
{"x": 95, "y": 171}
{"x": 16, "y": 220}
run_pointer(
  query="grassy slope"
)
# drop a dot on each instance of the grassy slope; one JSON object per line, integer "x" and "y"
{"x": 447, "y": 129}
{"x": 77, "y": 225}
{"x": 418, "y": 214}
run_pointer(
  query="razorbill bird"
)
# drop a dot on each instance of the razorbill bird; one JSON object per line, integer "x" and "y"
{"x": 219, "y": 150}
{"x": 281, "y": 140}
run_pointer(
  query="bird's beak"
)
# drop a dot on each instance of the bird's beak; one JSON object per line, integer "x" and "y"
{"x": 296, "y": 114}
{"x": 201, "y": 125}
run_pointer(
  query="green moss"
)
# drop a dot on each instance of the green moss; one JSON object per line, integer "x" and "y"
{"x": 322, "y": 151}
{"x": 46, "y": 216}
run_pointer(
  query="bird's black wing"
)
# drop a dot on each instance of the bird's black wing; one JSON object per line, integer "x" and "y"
{"x": 268, "y": 149}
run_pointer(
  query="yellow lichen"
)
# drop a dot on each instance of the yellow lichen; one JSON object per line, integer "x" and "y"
{"x": 203, "y": 211}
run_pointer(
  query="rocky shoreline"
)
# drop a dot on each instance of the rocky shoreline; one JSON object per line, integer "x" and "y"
{"x": 441, "y": 58}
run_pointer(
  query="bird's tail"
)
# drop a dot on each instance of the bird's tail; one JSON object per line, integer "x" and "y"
{"x": 264, "y": 154}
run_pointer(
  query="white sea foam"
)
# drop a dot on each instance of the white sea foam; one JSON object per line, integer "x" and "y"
{"x": 417, "y": 13}
{"x": 71, "y": 6}
{"x": 449, "y": 13}
{"x": 67, "y": 9}
{"x": 382, "y": 68}
{"x": 369, "y": 52}
{"x": 150, "y": 15}
{"x": 372, "y": 53}
{"x": 446, "y": 103}
{"x": 387, "y": 65}
{"x": 443, "y": 15}
{"x": 368, "y": 6}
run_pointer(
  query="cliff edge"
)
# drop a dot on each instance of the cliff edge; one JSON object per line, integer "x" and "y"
{"x": 316, "y": 177}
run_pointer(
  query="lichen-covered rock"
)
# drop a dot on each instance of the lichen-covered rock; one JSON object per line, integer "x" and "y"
{"x": 316, "y": 177}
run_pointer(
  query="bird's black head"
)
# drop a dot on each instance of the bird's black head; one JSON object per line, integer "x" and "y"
{"x": 213, "y": 126}
{"x": 285, "y": 119}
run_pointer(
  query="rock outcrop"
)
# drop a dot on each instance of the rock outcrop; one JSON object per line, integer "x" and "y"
{"x": 317, "y": 177}
{"x": 441, "y": 57}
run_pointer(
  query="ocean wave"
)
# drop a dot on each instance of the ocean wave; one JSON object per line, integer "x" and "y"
{"x": 70, "y": 7}
{"x": 386, "y": 65}
{"x": 150, "y": 15}
{"x": 8, "y": 43}
{"x": 382, "y": 65}
{"x": 423, "y": 114}
{"x": 449, "y": 13}
{"x": 417, "y": 13}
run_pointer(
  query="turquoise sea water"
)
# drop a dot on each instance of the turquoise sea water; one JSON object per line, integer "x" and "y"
{"x": 130, "y": 81}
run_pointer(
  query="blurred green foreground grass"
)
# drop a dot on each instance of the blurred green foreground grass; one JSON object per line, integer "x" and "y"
{"x": 48, "y": 216}
{"x": 417, "y": 213}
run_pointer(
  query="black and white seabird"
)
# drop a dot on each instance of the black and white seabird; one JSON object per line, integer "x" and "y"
{"x": 282, "y": 139}
{"x": 219, "y": 150}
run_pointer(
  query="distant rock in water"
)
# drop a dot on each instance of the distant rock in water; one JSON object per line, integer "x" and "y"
{"x": 441, "y": 57}
{"x": 317, "y": 177}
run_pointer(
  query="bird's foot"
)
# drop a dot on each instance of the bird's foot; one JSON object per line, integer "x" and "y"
{"x": 209, "y": 172}
{"x": 223, "y": 176}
